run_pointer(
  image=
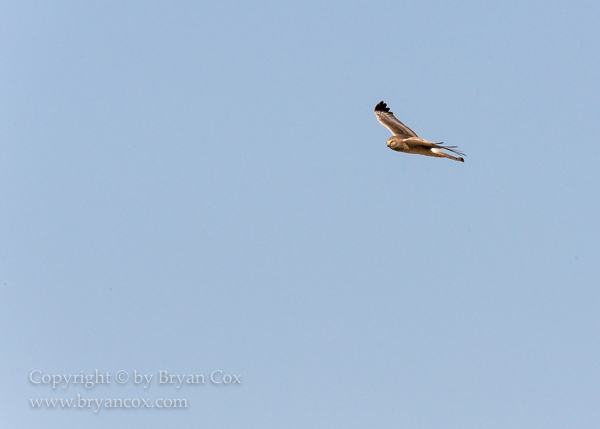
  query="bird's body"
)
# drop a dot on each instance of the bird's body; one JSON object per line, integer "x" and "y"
{"x": 406, "y": 140}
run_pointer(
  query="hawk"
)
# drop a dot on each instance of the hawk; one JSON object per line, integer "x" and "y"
{"x": 405, "y": 140}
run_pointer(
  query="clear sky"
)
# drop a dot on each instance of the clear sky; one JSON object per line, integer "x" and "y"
{"x": 197, "y": 186}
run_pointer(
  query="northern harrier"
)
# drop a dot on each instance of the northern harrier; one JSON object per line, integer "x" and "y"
{"x": 405, "y": 140}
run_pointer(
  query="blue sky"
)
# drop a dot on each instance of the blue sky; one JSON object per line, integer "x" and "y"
{"x": 201, "y": 186}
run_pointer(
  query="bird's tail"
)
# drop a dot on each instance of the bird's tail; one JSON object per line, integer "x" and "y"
{"x": 441, "y": 154}
{"x": 450, "y": 148}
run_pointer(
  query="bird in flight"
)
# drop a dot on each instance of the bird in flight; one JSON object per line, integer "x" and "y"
{"x": 405, "y": 140}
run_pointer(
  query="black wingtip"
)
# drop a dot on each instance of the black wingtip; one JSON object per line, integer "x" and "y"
{"x": 461, "y": 159}
{"x": 382, "y": 107}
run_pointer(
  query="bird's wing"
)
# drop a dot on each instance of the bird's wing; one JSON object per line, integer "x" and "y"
{"x": 416, "y": 141}
{"x": 389, "y": 121}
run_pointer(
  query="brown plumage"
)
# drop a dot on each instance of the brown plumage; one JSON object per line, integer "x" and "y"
{"x": 406, "y": 140}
